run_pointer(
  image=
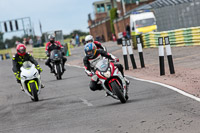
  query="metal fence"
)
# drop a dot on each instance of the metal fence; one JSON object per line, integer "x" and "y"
{"x": 178, "y": 16}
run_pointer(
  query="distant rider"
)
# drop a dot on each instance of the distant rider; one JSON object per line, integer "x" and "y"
{"x": 19, "y": 58}
{"x": 89, "y": 38}
{"x": 92, "y": 58}
{"x": 52, "y": 45}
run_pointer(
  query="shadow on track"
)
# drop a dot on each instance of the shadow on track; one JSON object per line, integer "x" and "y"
{"x": 40, "y": 100}
{"x": 117, "y": 103}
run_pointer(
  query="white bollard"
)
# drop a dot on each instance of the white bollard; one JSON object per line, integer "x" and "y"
{"x": 161, "y": 56}
{"x": 124, "y": 50}
{"x": 169, "y": 55}
{"x": 140, "y": 51}
{"x": 130, "y": 51}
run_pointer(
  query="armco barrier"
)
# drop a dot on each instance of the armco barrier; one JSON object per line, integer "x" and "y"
{"x": 180, "y": 37}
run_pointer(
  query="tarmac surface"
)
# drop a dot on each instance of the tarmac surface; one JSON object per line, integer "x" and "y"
{"x": 186, "y": 63}
{"x": 68, "y": 105}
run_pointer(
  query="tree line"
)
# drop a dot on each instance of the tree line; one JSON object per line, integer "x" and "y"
{"x": 12, "y": 42}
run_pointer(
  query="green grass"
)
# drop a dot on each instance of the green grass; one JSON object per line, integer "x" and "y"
{"x": 6, "y": 51}
{"x": 39, "y": 53}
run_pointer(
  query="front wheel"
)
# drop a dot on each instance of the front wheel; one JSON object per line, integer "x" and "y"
{"x": 118, "y": 91}
{"x": 58, "y": 75}
{"x": 34, "y": 91}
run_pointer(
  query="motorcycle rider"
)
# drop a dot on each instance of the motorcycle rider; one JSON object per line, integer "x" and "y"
{"x": 52, "y": 45}
{"x": 89, "y": 38}
{"x": 19, "y": 58}
{"x": 91, "y": 59}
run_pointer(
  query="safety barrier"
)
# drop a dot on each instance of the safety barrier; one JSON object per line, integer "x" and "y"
{"x": 180, "y": 37}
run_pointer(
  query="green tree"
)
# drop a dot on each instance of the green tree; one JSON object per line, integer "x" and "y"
{"x": 10, "y": 42}
{"x": 1, "y": 37}
{"x": 74, "y": 32}
{"x": 113, "y": 16}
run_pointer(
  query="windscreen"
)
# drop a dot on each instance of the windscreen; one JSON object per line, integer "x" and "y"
{"x": 102, "y": 65}
{"x": 55, "y": 54}
{"x": 145, "y": 22}
{"x": 27, "y": 65}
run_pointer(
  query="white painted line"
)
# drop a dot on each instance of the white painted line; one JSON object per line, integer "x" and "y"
{"x": 167, "y": 86}
{"x": 74, "y": 66}
{"x": 86, "y": 102}
{"x": 157, "y": 83}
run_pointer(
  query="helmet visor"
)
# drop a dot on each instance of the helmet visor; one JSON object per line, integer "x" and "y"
{"x": 21, "y": 50}
{"x": 89, "y": 41}
{"x": 89, "y": 52}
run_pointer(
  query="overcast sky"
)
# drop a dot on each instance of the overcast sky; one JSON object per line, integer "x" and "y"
{"x": 65, "y": 15}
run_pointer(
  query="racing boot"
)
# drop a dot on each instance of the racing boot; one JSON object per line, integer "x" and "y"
{"x": 19, "y": 82}
{"x": 126, "y": 96}
{"x": 64, "y": 60}
{"x": 42, "y": 85}
{"x": 127, "y": 81}
{"x": 107, "y": 94}
{"x": 22, "y": 89}
{"x": 64, "y": 68}
{"x": 52, "y": 70}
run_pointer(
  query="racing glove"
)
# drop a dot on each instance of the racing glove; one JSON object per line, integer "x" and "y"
{"x": 47, "y": 53}
{"x": 116, "y": 60}
{"x": 89, "y": 73}
{"x": 17, "y": 75}
{"x": 63, "y": 51}
{"x": 39, "y": 68}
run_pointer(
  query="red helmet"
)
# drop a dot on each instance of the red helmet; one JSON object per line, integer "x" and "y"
{"x": 21, "y": 49}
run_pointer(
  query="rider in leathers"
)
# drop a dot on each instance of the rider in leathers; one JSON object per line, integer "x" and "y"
{"x": 89, "y": 38}
{"x": 91, "y": 59}
{"x": 19, "y": 58}
{"x": 51, "y": 45}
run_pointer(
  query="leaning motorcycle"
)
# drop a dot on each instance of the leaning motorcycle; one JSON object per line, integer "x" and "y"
{"x": 56, "y": 60}
{"x": 112, "y": 80}
{"x": 30, "y": 80}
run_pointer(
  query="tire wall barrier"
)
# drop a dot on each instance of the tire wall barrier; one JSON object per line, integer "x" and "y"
{"x": 179, "y": 37}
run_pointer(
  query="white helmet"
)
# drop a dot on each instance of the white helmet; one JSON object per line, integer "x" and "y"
{"x": 89, "y": 38}
{"x": 51, "y": 37}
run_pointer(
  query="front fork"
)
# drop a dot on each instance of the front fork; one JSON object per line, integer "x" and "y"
{"x": 60, "y": 65}
{"x": 27, "y": 89}
{"x": 109, "y": 92}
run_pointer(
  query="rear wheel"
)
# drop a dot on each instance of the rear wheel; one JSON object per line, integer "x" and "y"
{"x": 58, "y": 76}
{"x": 118, "y": 91}
{"x": 34, "y": 92}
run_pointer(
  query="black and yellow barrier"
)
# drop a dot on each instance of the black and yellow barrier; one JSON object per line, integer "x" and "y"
{"x": 180, "y": 37}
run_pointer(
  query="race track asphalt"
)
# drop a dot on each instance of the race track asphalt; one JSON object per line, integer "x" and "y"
{"x": 68, "y": 106}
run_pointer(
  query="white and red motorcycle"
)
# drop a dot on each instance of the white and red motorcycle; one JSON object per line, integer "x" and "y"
{"x": 112, "y": 80}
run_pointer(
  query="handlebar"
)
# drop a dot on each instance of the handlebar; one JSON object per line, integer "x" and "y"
{"x": 115, "y": 60}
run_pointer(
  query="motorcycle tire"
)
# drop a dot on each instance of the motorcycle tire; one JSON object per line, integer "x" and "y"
{"x": 117, "y": 90}
{"x": 59, "y": 75}
{"x": 34, "y": 92}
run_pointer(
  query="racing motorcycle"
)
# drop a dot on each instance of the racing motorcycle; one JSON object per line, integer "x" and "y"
{"x": 56, "y": 60}
{"x": 30, "y": 80}
{"x": 112, "y": 80}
